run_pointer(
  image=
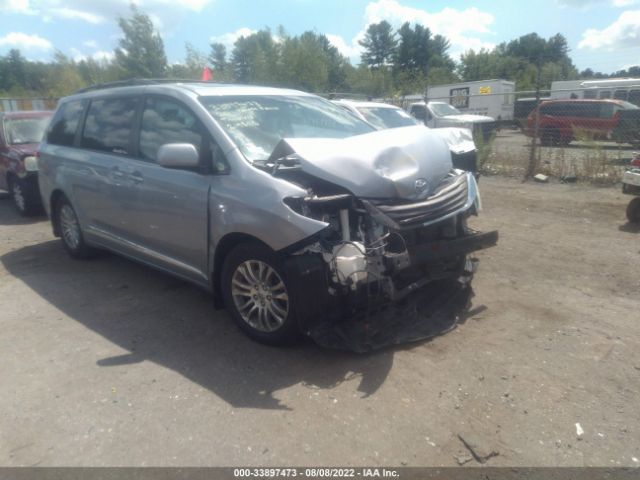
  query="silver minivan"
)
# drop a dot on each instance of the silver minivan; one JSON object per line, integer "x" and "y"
{"x": 285, "y": 206}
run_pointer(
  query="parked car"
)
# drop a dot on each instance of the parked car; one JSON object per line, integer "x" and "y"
{"x": 283, "y": 204}
{"x": 561, "y": 121}
{"x": 441, "y": 114}
{"x": 20, "y": 134}
{"x": 382, "y": 116}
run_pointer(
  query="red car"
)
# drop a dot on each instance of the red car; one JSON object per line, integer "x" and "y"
{"x": 561, "y": 121}
{"x": 20, "y": 135}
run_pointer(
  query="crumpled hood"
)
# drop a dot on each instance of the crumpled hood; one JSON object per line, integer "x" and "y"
{"x": 460, "y": 140}
{"x": 407, "y": 162}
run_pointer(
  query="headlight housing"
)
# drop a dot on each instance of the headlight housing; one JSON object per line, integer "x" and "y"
{"x": 30, "y": 163}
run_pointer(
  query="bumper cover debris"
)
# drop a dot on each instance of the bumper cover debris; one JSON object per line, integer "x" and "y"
{"x": 425, "y": 313}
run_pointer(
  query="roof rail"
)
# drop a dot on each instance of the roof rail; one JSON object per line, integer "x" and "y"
{"x": 132, "y": 82}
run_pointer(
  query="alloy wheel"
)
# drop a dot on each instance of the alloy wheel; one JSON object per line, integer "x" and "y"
{"x": 69, "y": 227}
{"x": 260, "y": 295}
{"x": 18, "y": 196}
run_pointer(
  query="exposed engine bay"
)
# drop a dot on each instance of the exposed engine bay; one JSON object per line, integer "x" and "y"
{"x": 376, "y": 252}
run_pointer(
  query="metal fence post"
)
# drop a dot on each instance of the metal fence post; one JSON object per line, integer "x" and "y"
{"x": 533, "y": 158}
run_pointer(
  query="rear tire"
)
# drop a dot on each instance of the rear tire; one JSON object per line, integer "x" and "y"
{"x": 25, "y": 198}
{"x": 633, "y": 210}
{"x": 70, "y": 231}
{"x": 257, "y": 294}
{"x": 550, "y": 137}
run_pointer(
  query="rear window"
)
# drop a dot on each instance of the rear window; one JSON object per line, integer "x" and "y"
{"x": 62, "y": 129}
{"x": 109, "y": 124}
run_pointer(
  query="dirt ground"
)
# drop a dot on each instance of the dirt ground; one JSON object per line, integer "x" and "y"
{"x": 107, "y": 362}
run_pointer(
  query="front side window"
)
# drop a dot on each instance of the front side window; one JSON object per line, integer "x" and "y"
{"x": 604, "y": 94}
{"x": 25, "y": 130}
{"x": 383, "y": 117}
{"x": 109, "y": 124}
{"x": 257, "y": 123}
{"x": 620, "y": 94}
{"x": 606, "y": 110}
{"x": 166, "y": 121}
{"x": 62, "y": 130}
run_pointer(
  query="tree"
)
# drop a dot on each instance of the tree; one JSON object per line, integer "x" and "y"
{"x": 141, "y": 51}
{"x": 255, "y": 58}
{"x": 379, "y": 44}
{"x": 519, "y": 60}
{"x": 218, "y": 58}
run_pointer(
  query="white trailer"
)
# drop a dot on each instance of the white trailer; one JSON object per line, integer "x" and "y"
{"x": 492, "y": 98}
{"x": 618, "y": 88}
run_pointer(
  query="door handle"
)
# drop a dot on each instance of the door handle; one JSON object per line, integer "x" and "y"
{"x": 136, "y": 177}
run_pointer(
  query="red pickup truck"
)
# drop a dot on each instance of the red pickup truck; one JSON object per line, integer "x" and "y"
{"x": 561, "y": 121}
{"x": 20, "y": 135}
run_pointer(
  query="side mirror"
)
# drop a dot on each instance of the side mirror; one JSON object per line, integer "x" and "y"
{"x": 178, "y": 155}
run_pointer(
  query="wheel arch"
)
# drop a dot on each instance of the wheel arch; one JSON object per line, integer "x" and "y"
{"x": 222, "y": 249}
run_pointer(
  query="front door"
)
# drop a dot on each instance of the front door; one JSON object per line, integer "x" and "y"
{"x": 167, "y": 209}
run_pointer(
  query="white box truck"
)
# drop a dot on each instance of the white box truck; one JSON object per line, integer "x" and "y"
{"x": 492, "y": 98}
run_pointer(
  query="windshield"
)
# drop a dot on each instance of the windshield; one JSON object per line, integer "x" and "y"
{"x": 444, "y": 109}
{"x": 25, "y": 130}
{"x": 257, "y": 123}
{"x": 385, "y": 117}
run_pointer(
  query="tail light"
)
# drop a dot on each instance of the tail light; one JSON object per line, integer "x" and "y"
{"x": 636, "y": 161}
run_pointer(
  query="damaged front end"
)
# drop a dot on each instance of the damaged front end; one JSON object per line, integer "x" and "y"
{"x": 384, "y": 268}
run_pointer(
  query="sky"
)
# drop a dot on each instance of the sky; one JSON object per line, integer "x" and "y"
{"x": 602, "y": 34}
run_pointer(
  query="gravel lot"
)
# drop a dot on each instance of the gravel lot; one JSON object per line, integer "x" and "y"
{"x": 110, "y": 363}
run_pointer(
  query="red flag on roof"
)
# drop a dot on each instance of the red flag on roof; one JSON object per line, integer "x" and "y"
{"x": 207, "y": 75}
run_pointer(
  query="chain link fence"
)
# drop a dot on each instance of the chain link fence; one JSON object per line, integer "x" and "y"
{"x": 570, "y": 134}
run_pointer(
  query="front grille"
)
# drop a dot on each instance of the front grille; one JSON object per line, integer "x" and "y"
{"x": 449, "y": 198}
{"x": 465, "y": 161}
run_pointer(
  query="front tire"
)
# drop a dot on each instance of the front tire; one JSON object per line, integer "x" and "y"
{"x": 633, "y": 210}
{"x": 25, "y": 197}
{"x": 257, "y": 294}
{"x": 70, "y": 231}
{"x": 550, "y": 137}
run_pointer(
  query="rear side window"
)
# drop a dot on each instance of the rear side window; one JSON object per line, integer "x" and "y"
{"x": 604, "y": 94}
{"x": 634, "y": 97}
{"x": 109, "y": 124}
{"x": 166, "y": 121}
{"x": 62, "y": 129}
{"x": 553, "y": 109}
{"x": 591, "y": 94}
{"x": 585, "y": 110}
